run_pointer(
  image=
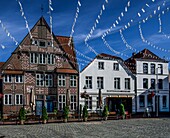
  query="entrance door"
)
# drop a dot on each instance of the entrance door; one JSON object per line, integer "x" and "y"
{"x": 49, "y": 106}
{"x": 39, "y": 105}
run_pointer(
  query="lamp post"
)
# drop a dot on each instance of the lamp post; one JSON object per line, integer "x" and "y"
{"x": 85, "y": 88}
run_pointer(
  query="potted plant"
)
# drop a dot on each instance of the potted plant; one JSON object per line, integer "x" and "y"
{"x": 65, "y": 114}
{"x": 85, "y": 113}
{"x": 44, "y": 115}
{"x": 122, "y": 111}
{"x": 22, "y": 115}
{"x": 105, "y": 113}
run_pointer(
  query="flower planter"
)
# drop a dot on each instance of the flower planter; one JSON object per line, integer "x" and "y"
{"x": 44, "y": 121}
{"x": 85, "y": 119}
{"x": 65, "y": 120}
{"x": 105, "y": 118}
{"x": 22, "y": 122}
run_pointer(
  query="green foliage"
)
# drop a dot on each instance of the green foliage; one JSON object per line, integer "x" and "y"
{"x": 122, "y": 109}
{"x": 66, "y": 112}
{"x": 22, "y": 114}
{"x": 105, "y": 111}
{"x": 55, "y": 111}
{"x": 44, "y": 113}
{"x": 85, "y": 112}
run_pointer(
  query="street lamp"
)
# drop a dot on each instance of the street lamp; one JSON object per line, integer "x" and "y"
{"x": 156, "y": 91}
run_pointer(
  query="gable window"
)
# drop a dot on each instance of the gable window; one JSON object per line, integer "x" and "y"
{"x": 160, "y": 84}
{"x": 164, "y": 101}
{"x": 18, "y": 99}
{"x": 145, "y": 83}
{"x": 42, "y": 58}
{"x": 42, "y": 44}
{"x": 100, "y": 83}
{"x": 88, "y": 81}
{"x": 39, "y": 79}
{"x": 116, "y": 83}
{"x": 48, "y": 80}
{"x": 61, "y": 101}
{"x": 160, "y": 69}
{"x": 8, "y": 78}
{"x": 152, "y": 68}
{"x": 19, "y": 78}
{"x": 50, "y": 59}
{"x": 61, "y": 80}
{"x": 73, "y": 81}
{"x": 145, "y": 68}
{"x": 127, "y": 83}
{"x": 7, "y": 99}
{"x": 141, "y": 100}
{"x": 101, "y": 65}
{"x": 115, "y": 66}
{"x": 33, "y": 58}
{"x": 73, "y": 102}
{"x": 152, "y": 83}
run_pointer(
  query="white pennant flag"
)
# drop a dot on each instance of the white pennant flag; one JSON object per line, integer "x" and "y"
{"x": 129, "y": 4}
{"x": 106, "y": 1}
{"x": 103, "y": 7}
{"x": 158, "y": 8}
{"x": 139, "y": 14}
{"x": 125, "y": 9}
{"x": 122, "y": 14}
{"x": 51, "y": 8}
{"x": 117, "y": 22}
{"x": 143, "y": 10}
{"x": 79, "y": 3}
{"x": 153, "y": 0}
{"x": 3, "y": 47}
{"x": 97, "y": 21}
{"x": 147, "y": 5}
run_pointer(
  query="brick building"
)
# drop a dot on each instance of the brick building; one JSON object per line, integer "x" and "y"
{"x": 41, "y": 71}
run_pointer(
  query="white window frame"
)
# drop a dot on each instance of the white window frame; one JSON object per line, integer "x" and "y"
{"x": 116, "y": 66}
{"x": 9, "y": 97}
{"x": 7, "y": 78}
{"x": 127, "y": 83}
{"x": 42, "y": 58}
{"x": 33, "y": 58}
{"x": 88, "y": 82}
{"x": 20, "y": 78}
{"x": 20, "y": 99}
{"x": 50, "y": 59}
{"x": 73, "y": 81}
{"x": 61, "y": 80}
{"x": 117, "y": 83}
{"x": 40, "y": 80}
{"x": 73, "y": 102}
{"x": 61, "y": 101}
{"x": 153, "y": 70}
{"x": 48, "y": 80}
{"x": 101, "y": 65}
{"x": 100, "y": 82}
{"x": 145, "y": 68}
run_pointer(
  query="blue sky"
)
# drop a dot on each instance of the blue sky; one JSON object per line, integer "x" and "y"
{"x": 63, "y": 18}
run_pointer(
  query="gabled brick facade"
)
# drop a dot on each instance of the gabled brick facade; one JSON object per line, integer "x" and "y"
{"x": 39, "y": 73}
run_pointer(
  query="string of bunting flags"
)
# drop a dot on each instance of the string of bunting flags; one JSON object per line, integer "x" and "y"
{"x": 75, "y": 20}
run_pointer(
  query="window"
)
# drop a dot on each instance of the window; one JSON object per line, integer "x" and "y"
{"x": 145, "y": 83}
{"x": 101, "y": 65}
{"x": 39, "y": 79}
{"x": 141, "y": 100}
{"x": 61, "y": 102}
{"x": 160, "y": 84}
{"x": 149, "y": 100}
{"x": 49, "y": 43}
{"x": 18, "y": 78}
{"x": 7, "y": 99}
{"x": 33, "y": 58}
{"x": 50, "y": 58}
{"x": 117, "y": 83}
{"x": 8, "y": 78}
{"x": 127, "y": 83}
{"x": 42, "y": 44}
{"x": 100, "y": 83}
{"x": 89, "y": 103}
{"x": 18, "y": 99}
{"x": 160, "y": 69}
{"x": 145, "y": 68}
{"x": 73, "y": 102}
{"x": 115, "y": 66}
{"x": 42, "y": 58}
{"x": 152, "y": 68}
{"x": 73, "y": 81}
{"x": 152, "y": 83}
{"x": 164, "y": 101}
{"x": 88, "y": 81}
{"x": 48, "y": 80}
{"x": 61, "y": 80}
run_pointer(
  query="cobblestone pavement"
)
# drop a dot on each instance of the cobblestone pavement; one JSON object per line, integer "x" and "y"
{"x": 132, "y": 128}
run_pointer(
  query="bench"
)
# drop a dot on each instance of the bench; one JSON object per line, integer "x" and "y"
{"x": 11, "y": 118}
{"x": 32, "y": 117}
